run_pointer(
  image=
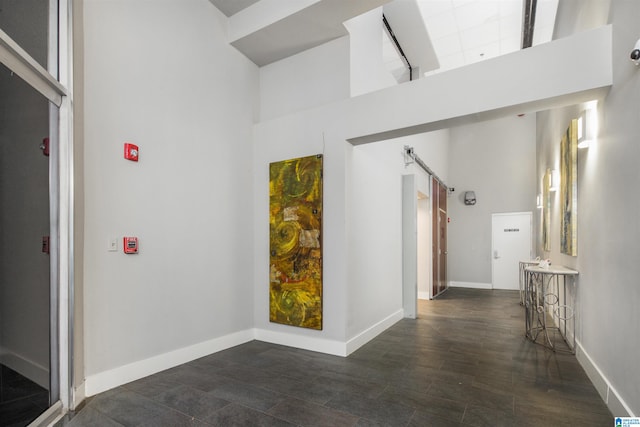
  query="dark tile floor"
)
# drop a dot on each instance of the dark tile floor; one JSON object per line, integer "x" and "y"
{"x": 464, "y": 362}
{"x": 21, "y": 400}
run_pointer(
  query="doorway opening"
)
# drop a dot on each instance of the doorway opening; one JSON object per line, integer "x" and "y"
{"x": 36, "y": 222}
{"x": 25, "y": 292}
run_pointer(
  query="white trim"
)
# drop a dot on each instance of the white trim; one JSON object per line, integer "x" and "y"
{"x": 65, "y": 206}
{"x": 370, "y": 333}
{"x": 50, "y": 416}
{"x": 471, "y": 285}
{"x": 25, "y": 367}
{"x": 423, "y": 295}
{"x": 321, "y": 345}
{"x": 78, "y": 395}
{"x": 103, "y": 381}
{"x": 615, "y": 403}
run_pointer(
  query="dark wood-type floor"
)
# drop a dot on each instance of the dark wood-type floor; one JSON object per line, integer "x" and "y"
{"x": 464, "y": 362}
{"x": 21, "y": 400}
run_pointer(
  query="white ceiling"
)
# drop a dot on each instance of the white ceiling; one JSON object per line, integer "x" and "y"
{"x": 468, "y": 31}
{"x": 458, "y": 32}
{"x": 231, "y": 7}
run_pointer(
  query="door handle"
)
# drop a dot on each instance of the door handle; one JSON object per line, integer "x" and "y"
{"x": 495, "y": 255}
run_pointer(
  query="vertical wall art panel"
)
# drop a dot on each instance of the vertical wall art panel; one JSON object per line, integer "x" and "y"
{"x": 546, "y": 211}
{"x": 295, "y": 220}
{"x": 569, "y": 190}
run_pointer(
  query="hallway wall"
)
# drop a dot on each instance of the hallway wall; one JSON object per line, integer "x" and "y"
{"x": 496, "y": 159}
{"x": 608, "y": 212}
{"x": 161, "y": 75}
{"x": 374, "y": 216}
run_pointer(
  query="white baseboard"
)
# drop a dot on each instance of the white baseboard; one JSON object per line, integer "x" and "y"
{"x": 103, "y": 381}
{"x": 423, "y": 295}
{"x": 337, "y": 348}
{"x": 614, "y": 401}
{"x": 304, "y": 342}
{"x": 472, "y": 285}
{"x": 25, "y": 367}
{"x": 370, "y": 333}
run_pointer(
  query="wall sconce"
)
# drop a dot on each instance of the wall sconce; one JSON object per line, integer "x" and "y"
{"x": 588, "y": 126}
{"x": 469, "y": 198}
{"x": 539, "y": 201}
{"x": 555, "y": 180}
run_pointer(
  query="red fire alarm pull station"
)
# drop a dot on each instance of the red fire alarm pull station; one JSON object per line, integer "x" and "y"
{"x": 45, "y": 147}
{"x": 130, "y": 245}
{"x": 131, "y": 151}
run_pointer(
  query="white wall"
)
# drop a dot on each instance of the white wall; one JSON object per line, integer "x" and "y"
{"x": 362, "y": 279}
{"x": 368, "y": 70}
{"x": 374, "y": 232}
{"x": 24, "y": 202}
{"x": 374, "y": 207}
{"x": 161, "y": 75}
{"x": 608, "y": 212}
{"x": 429, "y": 103}
{"x": 309, "y": 79}
{"x": 345, "y": 67}
{"x": 497, "y": 160}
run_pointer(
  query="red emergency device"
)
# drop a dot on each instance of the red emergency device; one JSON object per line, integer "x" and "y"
{"x": 130, "y": 245}
{"x": 131, "y": 151}
{"x": 45, "y": 147}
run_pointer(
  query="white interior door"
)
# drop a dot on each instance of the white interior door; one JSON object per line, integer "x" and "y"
{"x": 511, "y": 243}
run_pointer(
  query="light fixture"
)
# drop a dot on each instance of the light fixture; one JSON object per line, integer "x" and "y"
{"x": 588, "y": 126}
{"x": 469, "y": 198}
{"x": 555, "y": 180}
{"x": 539, "y": 201}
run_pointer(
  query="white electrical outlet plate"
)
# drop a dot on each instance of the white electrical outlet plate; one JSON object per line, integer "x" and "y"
{"x": 112, "y": 245}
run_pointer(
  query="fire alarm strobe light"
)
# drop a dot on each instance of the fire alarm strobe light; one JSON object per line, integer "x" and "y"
{"x": 131, "y": 152}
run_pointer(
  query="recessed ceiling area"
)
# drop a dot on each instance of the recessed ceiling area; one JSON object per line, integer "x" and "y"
{"x": 466, "y": 31}
{"x": 435, "y": 35}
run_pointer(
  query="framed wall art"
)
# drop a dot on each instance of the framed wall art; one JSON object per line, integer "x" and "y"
{"x": 569, "y": 190}
{"x": 295, "y": 240}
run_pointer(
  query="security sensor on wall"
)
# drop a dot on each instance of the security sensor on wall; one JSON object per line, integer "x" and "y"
{"x": 635, "y": 53}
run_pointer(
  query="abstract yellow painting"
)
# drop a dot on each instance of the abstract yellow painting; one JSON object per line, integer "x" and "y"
{"x": 569, "y": 190}
{"x": 295, "y": 222}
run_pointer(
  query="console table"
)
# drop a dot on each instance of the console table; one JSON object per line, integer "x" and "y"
{"x": 523, "y": 277}
{"x": 548, "y": 308}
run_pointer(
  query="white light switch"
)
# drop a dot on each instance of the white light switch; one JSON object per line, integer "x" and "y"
{"x": 112, "y": 244}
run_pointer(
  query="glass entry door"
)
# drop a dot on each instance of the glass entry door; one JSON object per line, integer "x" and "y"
{"x": 29, "y": 200}
{"x": 25, "y": 285}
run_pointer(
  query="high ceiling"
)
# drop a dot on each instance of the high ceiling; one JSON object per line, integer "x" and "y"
{"x": 436, "y": 35}
{"x": 231, "y": 7}
{"x": 468, "y": 31}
